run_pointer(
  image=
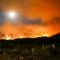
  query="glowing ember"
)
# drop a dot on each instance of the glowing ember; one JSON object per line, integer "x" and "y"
{"x": 8, "y": 38}
{"x": 11, "y": 37}
{"x": 41, "y": 35}
{"x": 21, "y": 37}
{"x": 45, "y": 35}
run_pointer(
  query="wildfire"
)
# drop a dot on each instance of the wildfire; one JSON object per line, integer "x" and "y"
{"x": 41, "y": 35}
{"x": 11, "y": 38}
{"x": 45, "y": 35}
{"x": 8, "y": 38}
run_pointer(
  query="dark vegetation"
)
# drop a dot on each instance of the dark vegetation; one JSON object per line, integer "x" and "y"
{"x": 41, "y": 48}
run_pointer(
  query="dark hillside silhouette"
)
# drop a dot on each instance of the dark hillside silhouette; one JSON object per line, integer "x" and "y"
{"x": 40, "y": 48}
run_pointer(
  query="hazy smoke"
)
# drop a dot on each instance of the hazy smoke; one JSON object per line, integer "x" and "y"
{"x": 55, "y": 21}
{"x": 32, "y": 22}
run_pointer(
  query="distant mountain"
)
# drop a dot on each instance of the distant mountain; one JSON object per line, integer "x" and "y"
{"x": 56, "y": 37}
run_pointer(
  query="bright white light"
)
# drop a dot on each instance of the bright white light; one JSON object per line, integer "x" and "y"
{"x": 12, "y": 15}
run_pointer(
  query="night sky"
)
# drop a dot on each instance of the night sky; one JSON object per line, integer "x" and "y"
{"x": 46, "y": 10}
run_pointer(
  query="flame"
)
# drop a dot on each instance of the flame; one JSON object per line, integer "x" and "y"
{"x": 8, "y": 37}
{"x": 41, "y": 35}
{"x": 45, "y": 35}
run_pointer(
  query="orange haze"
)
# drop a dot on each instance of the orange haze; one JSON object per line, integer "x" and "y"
{"x": 43, "y": 9}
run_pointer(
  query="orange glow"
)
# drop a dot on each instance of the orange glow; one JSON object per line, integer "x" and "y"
{"x": 45, "y": 35}
{"x": 32, "y": 9}
{"x": 7, "y": 37}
